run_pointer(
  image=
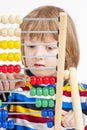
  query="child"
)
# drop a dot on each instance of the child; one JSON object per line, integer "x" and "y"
{"x": 35, "y": 121}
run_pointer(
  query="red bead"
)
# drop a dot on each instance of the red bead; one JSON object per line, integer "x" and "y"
{"x": 0, "y": 68}
{"x": 17, "y": 68}
{"x": 39, "y": 80}
{"x": 4, "y": 68}
{"x": 10, "y": 68}
{"x": 45, "y": 80}
{"x": 33, "y": 80}
{"x": 52, "y": 80}
{"x": 85, "y": 127}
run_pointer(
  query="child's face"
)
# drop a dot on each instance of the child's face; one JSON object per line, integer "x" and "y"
{"x": 42, "y": 50}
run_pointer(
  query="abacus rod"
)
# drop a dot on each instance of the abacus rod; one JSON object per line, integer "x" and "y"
{"x": 38, "y": 56}
{"x": 60, "y": 72}
{"x": 37, "y": 44}
{"x": 56, "y": 32}
{"x": 17, "y": 102}
{"x": 36, "y": 19}
{"x": 19, "y": 113}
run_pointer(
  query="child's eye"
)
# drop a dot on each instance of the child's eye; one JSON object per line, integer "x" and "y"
{"x": 31, "y": 46}
{"x": 51, "y": 47}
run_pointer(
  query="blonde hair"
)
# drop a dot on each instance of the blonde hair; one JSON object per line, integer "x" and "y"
{"x": 72, "y": 47}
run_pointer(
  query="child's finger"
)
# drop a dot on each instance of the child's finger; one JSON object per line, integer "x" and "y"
{"x": 11, "y": 83}
{"x": 4, "y": 81}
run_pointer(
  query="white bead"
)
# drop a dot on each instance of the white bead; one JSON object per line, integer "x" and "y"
{"x": 17, "y": 32}
{"x": 11, "y": 19}
{"x": 4, "y": 32}
{"x": 0, "y": 19}
{"x": 4, "y": 19}
{"x": 11, "y": 32}
{"x": 18, "y": 19}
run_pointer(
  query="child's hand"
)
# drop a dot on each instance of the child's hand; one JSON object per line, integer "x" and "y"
{"x": 7, "y": 85}
{"x": 68, "y": 120}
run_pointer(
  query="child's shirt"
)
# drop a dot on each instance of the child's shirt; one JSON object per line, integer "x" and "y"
{"x": 33, "y": 119}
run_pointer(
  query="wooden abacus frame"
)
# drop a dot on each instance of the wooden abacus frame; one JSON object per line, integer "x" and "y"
{"x": 60, "y": 78}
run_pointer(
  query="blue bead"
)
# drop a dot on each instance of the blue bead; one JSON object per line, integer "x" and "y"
{"x": 50, "y": 113}
{"x": 53, "y": 85}
{"x": 0, "y": 124}
{"x": 44, "y": 113}
{"x": 10, "y": 124}
{"x": 4, "y": 114}
{"x": 50, "y": 124}
{"x": 4, "y": 124}
{"x": 0, "y": 114}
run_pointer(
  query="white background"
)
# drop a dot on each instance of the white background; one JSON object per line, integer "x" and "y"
{"x": 77, "y": 10}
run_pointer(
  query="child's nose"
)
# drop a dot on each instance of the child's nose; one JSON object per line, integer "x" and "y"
{"x": 40, "y": 52}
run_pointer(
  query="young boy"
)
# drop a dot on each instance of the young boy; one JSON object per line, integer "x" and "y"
{"x": 36, "y": 121}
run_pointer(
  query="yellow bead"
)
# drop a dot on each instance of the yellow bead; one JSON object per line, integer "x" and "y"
{"x": 3, "y": 56}
{"x": 4, "y": 44}
{"x": 17, "y": 56}
{"x": 10, "y": 44}
{"x": 17, "y": 44}
{"x": 0, "y": 44}
{"x": 10, "y": 56}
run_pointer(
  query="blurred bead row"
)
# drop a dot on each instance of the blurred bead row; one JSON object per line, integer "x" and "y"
{"x": 10, "y": 32}
{"x": 42, "y": 80}
{"x": 10, "y": 44}
{"x": 10, "y": 68}
{"x": 10, "y": 56}
{"x": 42, "y": 91}
{"x": 10, "y": 19}
{"x": 44, "y": 103}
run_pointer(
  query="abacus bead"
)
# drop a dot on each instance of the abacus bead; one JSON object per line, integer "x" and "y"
{"x": 17, "y": 56}
{"x": 10, "y": 56}
{"x": 52, "y": 79}
{"x": 10, "y": 32}
{"x": 4, "y": 32}
{"x": 4, "y": 68}
{"x": 10, "y": 124}
{"x": 39, "y": 91}
{"x": 0, "y": 102}
{"x": 10, "y": 68}
{"x": 4, "y": 19}
{"x": 44, "y": 113}
{"x": 33, "y": 91}
{"x": 51, "y": 103}
{"x": 4, "y": 114}
{"x": 50, "y": 113}
{"x": 0, "y": 68}
{"x": 45, "y": 80}
{"x": 4, "y": 56}
{"x": 10, "y": 44}
{"x": 17, "y": 32}
{"x": 39, "y": 80}
{"x": 51, "y": 91}
{"x": 11, "y": 19}
{"x": 4, "y": 124}
{"x": 0, "y": 115}
{"x": 17, "y": 68}
{"x": 0, "y": 124}
{"x": 18, "y": 19}
{"x": 45, "y": 91}
{"x": 17, "y": 44}
{"x": 33, "y": 80}
{"x": 44, "y": 103}
{"x": 50, "y": 123}
{"x": 4, "y": 44}
{"x": 38, "y": 103}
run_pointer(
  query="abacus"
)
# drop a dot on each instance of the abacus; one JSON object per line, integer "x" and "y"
{"x": 40, "y": 80}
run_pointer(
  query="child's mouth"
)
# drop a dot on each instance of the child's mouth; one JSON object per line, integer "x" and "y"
{"x": 39, "y": 65}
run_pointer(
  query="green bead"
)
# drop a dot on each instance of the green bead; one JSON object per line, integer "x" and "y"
{"x": 33, "y": 91}
{"x": 0, "y": 103}
{"x": 39, "y": 91}
{"x": 38, "y": 103}
{"x": 44, "y": 103}
{"x": 51, "y": 91}
{"x": 45, "y": 91}
{"x": 51, "y": 103}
